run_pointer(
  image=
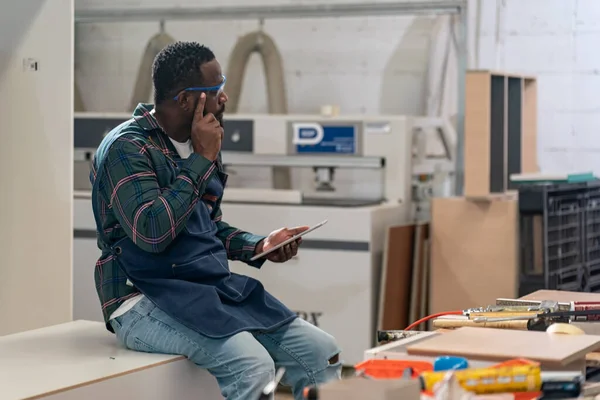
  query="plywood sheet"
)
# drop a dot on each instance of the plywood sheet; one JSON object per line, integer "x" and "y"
{"x": 498, "y": 344}
{"x": 396, "y": 278}
{"x": 474, "y": 252}
{"x": 477, "y": 133}
{"x": 562, "y": 296}
{"x": 530, "y": 126}
{"x": 418, "y": 288}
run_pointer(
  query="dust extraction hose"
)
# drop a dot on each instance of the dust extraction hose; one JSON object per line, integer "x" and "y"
{"x": 143, "y": 83}
{"x": 261, "y": 43}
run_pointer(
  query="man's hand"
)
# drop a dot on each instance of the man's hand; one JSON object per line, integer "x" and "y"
{"x": 281, "y": 235}
{"x": 207, "y": 132}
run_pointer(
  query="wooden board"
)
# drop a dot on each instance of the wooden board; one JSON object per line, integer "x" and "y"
{"x": 561, "y": 296}
{"x": 418, "y": 286}
{"x": 498, "y": 345}
{"x": 396, "y": 278}
{"x": 64, "y": 361}
{"x": 500, "y": 130}
{"x": 474, "y": 252}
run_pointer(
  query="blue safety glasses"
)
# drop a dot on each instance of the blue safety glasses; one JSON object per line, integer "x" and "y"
{"x": 215, "y": 91}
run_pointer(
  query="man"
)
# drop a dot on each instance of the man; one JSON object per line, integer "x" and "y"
{"x": 163, "y": 278}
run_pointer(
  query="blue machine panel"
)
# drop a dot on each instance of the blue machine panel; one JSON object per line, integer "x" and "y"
{"x": 317, "y": 138}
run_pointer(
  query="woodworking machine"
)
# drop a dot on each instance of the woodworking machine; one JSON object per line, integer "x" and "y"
{"x": 361, "y": 173}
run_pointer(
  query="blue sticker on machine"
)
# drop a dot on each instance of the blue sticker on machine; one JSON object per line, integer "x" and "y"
{"x": 317, "y": 138}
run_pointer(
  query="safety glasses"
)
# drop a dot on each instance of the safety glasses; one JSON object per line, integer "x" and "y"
{"x": 215, "y": 91}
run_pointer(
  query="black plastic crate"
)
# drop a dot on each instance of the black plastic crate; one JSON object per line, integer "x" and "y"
{"x": 592, "y": 227}
{"x": 594, "y": 285}
{"x": 559, "y": 228}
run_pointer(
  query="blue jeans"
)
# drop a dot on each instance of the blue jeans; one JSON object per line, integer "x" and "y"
{"x": 243, "y": 364}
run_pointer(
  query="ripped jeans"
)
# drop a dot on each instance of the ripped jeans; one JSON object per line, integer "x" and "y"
{"x": 243, "y": 364}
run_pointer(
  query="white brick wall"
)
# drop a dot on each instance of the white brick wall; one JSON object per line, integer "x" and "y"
{"x": 376, "y": 65}
{"x": 366, "y": 65}
{"x": 558, "y": 41}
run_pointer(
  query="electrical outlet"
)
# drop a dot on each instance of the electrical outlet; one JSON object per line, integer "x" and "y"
{"x": 30, "y": 65}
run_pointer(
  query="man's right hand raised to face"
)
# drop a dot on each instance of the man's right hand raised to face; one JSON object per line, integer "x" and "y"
{"x": 207, "y": 133}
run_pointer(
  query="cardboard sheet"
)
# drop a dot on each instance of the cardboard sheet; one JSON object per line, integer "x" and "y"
{"x": 498, "y": 345}
{"x": 474, "y": 253}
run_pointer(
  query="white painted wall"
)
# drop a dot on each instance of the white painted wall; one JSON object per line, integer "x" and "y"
{"x": 366, "y": 65}
{"x": 558, "y": 41}
{"x": 377, "y": 65}
{"x": 36, "y": 165}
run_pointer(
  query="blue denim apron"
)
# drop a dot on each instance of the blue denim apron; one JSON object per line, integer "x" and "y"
{"x": 191, "y": 280}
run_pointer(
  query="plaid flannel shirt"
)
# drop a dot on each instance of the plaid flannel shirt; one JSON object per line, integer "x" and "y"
{"x": 142, "y": 195}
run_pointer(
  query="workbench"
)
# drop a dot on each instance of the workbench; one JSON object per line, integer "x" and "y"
{"x": 82, "y": 360}
{"x": 398, "y": 350}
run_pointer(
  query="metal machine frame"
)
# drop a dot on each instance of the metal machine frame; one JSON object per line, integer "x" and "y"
{"x": 396, "y": 144}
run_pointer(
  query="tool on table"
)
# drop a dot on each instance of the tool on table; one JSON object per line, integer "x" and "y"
{"x": 269, "y": 390}
{"x": 390, "y": 336}
{"x": 451, "y": 323}
{"x": 502, "y": 302}
{"x": 565, "y": 329}
{"x": 570, "y": 389}
{"x": 445, "y": 363}
{"x": 391, "y": 369}
{"x": 513, "y": 314}
{"x": 522, "y": 378}
{"x": 561, "y": 306}
{"x": 559, "y": 316}
{"x": 408, "y": 373}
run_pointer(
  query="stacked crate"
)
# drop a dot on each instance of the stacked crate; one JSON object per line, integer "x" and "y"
{"x": 559, "y": 229}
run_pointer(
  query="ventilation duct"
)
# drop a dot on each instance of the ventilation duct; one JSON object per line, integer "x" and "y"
{"x": 143, "y": 84}
{"x": 261, "y": 43}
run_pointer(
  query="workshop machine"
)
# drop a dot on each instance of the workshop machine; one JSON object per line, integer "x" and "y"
{"x": 361, "y": 173}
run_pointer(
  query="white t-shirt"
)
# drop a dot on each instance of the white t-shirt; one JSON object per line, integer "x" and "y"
{"x": 184, "y": 150}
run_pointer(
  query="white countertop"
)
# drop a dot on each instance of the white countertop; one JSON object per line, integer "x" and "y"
{"x": 66, "y": 356}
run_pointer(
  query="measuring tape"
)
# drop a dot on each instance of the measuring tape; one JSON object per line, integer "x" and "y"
{"x": 522, "y": 378}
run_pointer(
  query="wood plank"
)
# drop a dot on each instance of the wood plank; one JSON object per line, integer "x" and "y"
{"x": 529, "y": 162}
{"x": 498, "y": 344}
{"x": 474, "y": 253}
{"x": 419, "y": 284}
{"x": 67, "y": 356}
{"x": 562, "y": 296}
{"x": 477, "y": 134}
{"x": 396, "y": 278}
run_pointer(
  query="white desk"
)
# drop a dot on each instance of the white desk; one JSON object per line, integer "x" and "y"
{"x": 82, "y": 360}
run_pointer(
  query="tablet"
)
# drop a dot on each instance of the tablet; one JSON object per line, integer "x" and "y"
{"x": 290, "y": 240}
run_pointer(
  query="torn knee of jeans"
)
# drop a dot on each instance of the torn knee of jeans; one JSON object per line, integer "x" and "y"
{"x": 335, "y": 359}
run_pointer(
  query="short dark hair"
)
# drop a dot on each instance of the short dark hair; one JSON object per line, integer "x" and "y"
{"x": 177, "y": 66}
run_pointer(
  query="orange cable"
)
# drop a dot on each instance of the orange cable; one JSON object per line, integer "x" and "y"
{"x": 432, "y": 316}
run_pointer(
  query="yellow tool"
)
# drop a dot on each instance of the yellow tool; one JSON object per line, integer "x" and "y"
{"x": 522, "y": 378}
{"x": 450, "y": 323}
{"x": 503, "y": 314}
